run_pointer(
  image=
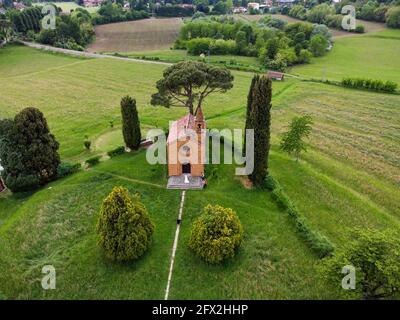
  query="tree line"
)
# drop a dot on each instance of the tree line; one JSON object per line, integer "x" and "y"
{"x": 73, "y": 31}
{"x": 382, "y": 11}
{"x": 276, "y": 43}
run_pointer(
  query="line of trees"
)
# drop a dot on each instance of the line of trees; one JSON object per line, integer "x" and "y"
{"x": 110, "y": 12}
{"x": 28, "y": 19}
{"x": 174, "y": 11}
{"x": 73, "y": 31}
{"x": 276, "y": 43}
{"x": 382, "y": 11}
{"x": 370, "y": 84}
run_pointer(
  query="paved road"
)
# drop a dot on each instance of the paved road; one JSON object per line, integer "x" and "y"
{"x": 88, "y": 54}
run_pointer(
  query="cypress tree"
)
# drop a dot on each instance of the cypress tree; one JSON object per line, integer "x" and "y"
{"x": 130, "y": 123}
{"x": 29, "y": 152}
{"x": 27, "y": 21}
{"x": 261, "y": 122}
{"x": 249, "y": 108}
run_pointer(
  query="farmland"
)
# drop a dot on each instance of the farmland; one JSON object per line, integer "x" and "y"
{"x": 348, "y": 178}
{"x": 141, "y": 35}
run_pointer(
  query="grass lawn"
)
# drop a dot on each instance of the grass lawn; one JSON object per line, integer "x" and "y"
{"x": 375, "y": 56}
{"x": 348, "y": 178}
{"x": 273, "y": 262}
{"x": 81, "y": 96}
{"x": 174, "y": 56}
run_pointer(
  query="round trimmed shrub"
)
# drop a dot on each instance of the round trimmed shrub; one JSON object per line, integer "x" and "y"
{"x": 216, "y": 234}
{"x": 124, "y": 226}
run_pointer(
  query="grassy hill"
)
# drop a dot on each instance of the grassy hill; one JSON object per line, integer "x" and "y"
{"x": 349, "y": 178}
{"x": 273, "y": 262}
{"x": 374, "y": 55}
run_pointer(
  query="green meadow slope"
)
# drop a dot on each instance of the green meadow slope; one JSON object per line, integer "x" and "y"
{"x": 349, "y": 178}
{"x": 374, "y": 55}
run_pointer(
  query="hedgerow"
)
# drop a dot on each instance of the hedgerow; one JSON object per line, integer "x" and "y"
{"x": 93, "y": 161}
{"x": 116, "y": 152}
{"x": 318, "y": 243}
{"x": 66, "y": 169}
{"x": 370, "y": 84}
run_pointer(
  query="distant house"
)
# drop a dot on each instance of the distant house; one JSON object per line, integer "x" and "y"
{"x": 253, "y": 5}
{"x": 186, "y": 6}
{"x": 19, "y": 5}
{"x": 92, "y": 3}
{"x": 239, "y": 10}
{"x": 274, "y": 75}
{"x": 285, "y": 3}
{"x": 269, "y": 3}
{"x": 2, "y": 185}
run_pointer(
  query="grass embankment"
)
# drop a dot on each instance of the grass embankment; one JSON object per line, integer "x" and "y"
{"x": 273, "y": 262}
{"x": 349, "y": 178}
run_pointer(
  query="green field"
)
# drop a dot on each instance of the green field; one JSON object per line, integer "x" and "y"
{"x": 174, "y": 56}
{"x": 349, "y": 178}
{"x": 374, "y": 55}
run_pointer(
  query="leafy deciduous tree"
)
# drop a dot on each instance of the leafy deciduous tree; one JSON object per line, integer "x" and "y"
{"x": 376, "y": 258}
{"x": 292, "y": 141}
{"x": 393, "y": 17}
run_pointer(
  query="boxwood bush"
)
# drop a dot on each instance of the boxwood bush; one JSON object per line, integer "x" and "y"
{"x": 66, "y": 169}
{"x": 93, "y": 161}
{"x": 116, "y": 152}
{"x": 216, "y": 234}
{"x": 124, "y": 226}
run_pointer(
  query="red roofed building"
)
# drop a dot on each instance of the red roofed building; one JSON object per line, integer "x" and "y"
{"x": 2, "y": 185}
{"x": 92, "y": 3}
{"x": 274, "y": 75}
{"x": 19, "y": 5}
{"x": 186, "y": 151}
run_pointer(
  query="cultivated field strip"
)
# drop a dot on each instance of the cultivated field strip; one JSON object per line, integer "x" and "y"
{"x": 136, "y": 36}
